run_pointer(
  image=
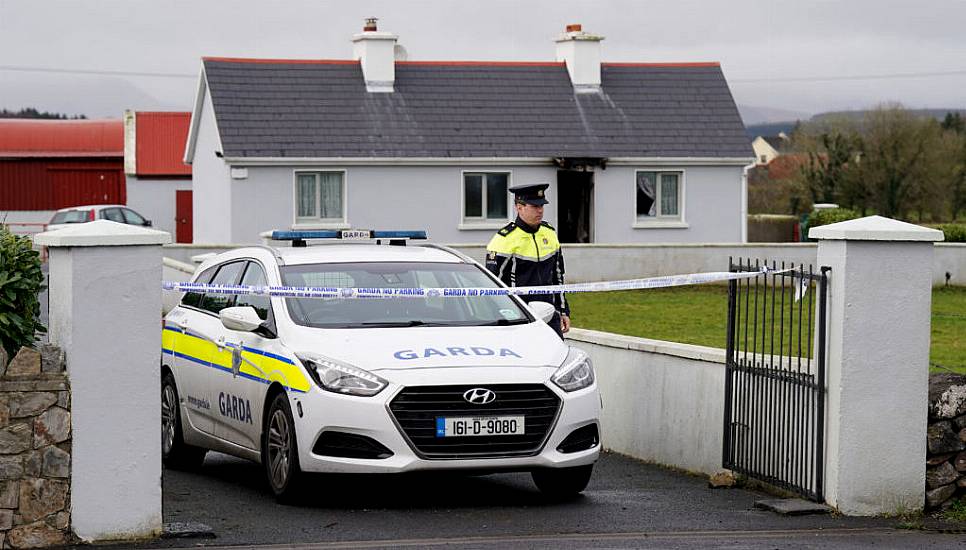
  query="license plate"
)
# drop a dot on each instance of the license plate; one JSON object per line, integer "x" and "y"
{"x": 469, "y": 426}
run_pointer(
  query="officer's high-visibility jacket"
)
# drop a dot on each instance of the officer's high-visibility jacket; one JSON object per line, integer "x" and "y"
{"x": 522, "y": 256}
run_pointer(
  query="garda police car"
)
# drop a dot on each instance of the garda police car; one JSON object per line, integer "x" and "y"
{"x": 475, "y": 383}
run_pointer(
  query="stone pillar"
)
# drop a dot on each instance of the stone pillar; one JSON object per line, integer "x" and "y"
{"x": 105, "y": 313}
{"x": 880, "y": 292}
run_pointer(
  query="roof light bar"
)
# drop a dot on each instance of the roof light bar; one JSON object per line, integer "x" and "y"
{"x": 298, "y": 238}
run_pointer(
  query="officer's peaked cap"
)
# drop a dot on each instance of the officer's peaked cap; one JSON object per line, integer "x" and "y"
{"x": 530, "y": 193}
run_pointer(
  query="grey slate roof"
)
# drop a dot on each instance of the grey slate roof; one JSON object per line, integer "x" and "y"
{"x": 299, "y": 109}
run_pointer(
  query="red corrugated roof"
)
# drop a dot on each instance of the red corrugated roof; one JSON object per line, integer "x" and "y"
{"x": 160, "y": 145}
{"x": 61, "y": 138}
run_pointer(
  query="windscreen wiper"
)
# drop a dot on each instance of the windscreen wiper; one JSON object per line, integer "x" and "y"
{"x": 380, "y": 324}
{"x": 503, "y": 322}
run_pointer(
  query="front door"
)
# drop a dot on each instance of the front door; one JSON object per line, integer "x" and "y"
{"x": 575, "y": 206}
{"x": 182, "y": 217}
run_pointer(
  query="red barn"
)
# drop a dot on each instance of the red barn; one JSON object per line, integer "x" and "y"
{"x": 158, "y": 180}
{"x": 50, "y": 164}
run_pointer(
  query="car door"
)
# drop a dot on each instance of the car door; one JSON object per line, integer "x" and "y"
{"x": 254, "y": 357}
{"x": 186, "y": 353}
{"x": 133, "y": 218}
{"x": 207, "y": 334}
{"x": 113, "y": 214}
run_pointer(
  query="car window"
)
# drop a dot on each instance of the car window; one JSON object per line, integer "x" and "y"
{"x": 227, "y": 275}
{"x": 71, "y": 216}
{"x": 255, "y": 276}
{"x": 429, "y": 310}
{"x": 193, "y": 299}
{"x": 113, "y": 214}
{"x": 132, "y": 217}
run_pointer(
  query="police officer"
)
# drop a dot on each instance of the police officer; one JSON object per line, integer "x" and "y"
{"x": 526, "y": 252}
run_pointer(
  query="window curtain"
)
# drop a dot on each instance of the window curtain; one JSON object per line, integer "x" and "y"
{"x": 306, "y": 195}
{"x": 669, "y": 194}
{"x": 330, "y": 194}
{"x": 646, "y": 194}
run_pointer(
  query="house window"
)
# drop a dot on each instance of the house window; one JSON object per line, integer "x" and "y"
{"x": 659, "y": 195}
{"x": 319, "y": 197}
{"x": 485, "y": 196}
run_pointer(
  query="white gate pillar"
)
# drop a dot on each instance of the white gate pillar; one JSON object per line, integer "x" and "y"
{"x": 878, "y": 362}
{"x": 105, "y": 313}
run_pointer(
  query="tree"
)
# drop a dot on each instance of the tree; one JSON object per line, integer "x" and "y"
{"x": 898, "y": 162}
{"x": 30, "y": 112}
{"x": 825, "y": 173}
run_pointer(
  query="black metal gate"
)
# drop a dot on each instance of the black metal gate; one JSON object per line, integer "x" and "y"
{"x": 774, "y": 417}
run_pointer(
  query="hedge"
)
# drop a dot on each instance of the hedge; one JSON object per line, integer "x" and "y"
{"x": 21, "y": 281}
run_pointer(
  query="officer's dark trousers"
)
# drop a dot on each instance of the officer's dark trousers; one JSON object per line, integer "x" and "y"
{"x": 555, "y": 324}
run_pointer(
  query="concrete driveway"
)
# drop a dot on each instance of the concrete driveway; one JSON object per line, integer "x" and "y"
{"x": 627, "y": 505}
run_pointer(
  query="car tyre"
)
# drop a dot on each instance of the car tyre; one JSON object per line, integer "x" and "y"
{"x": 560, "y": 483}
{"x": 280, "y": 454}
{"x": 175, "y": 453}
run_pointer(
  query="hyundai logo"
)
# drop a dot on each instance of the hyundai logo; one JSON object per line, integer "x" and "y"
{"x": 479, "y": 396}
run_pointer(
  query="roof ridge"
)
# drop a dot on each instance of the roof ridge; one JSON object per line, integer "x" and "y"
{"x": 292, "y": 61}
{"x": 462, "y": 63}
{"x": 660, "y": 64}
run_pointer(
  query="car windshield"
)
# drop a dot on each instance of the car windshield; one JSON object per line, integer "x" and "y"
{"x": 71, "y": 216}
{"x": 398, "y": 312}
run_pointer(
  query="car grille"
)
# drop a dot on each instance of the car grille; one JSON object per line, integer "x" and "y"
{"x": 416, "y": 409}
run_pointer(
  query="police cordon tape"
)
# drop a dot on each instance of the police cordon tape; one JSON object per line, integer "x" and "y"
{"x": 355, "y": 293}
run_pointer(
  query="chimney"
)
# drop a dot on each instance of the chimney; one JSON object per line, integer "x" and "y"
{"x": 581, "y": 52}
{"x": 376, "y": 51}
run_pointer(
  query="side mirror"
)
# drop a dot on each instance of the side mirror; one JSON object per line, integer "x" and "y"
{"x": 147, "y": 223}
{"x": 541, "y": 310}
{"x": 243, "y": 318}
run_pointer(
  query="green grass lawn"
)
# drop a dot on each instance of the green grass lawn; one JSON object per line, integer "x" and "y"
{"x": 698, "y": 315}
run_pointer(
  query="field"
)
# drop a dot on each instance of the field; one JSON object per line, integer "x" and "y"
{"x": 698, "y": 315}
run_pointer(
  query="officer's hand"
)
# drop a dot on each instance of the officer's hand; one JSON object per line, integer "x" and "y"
{"x": 564, "y": 323}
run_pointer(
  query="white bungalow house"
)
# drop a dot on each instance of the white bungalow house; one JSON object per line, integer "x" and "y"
{"x": 634, "y": 152}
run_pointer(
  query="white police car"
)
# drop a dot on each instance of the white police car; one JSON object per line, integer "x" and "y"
{"x": 476, "y": 383}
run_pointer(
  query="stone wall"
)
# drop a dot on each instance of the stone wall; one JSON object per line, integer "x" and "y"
{"x": 946, "y": 440}
{"x": 35, "y": 447}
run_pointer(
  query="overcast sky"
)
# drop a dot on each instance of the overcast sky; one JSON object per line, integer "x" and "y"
{"x": 801, "y": 56}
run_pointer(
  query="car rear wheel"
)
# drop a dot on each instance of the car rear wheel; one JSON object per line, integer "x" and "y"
{"x": 562, "y": 482}
{"x": 175, "y": 453}
{"x": 280, "y": 450}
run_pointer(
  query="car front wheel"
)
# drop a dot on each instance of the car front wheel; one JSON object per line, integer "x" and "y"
{"x": 562, "y": 482}
{"x": 175, "y": 453}
{"x": 280, "y": 450}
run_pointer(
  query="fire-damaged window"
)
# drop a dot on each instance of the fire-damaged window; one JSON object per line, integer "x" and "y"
{"x": 485, "y": 196}
{"x": 658, "y": 195}
{"x": 319, "y": 197}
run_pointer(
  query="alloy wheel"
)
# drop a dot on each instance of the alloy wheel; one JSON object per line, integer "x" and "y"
{"x": 279, "y": 448}
{"x": 169, "y": 418}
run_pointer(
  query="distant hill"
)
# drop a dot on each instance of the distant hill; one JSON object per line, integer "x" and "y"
{"x": 753, "y": 115}
{"x": 773, "y": 128}
{"x": 770, "y": 129}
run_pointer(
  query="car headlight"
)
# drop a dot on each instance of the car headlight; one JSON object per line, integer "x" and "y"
{"x": 341, "y": 378}
{"x": 576, "y": 372}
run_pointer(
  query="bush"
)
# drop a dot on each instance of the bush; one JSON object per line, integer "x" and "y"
{"x": 831, "y": 215}
{"x": 21, "y": 281}
{"x": 954, "y": 232}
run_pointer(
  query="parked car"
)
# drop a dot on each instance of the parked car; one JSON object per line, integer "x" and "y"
{"x": 82, "y": 214}
{"x": 370, "y": 385}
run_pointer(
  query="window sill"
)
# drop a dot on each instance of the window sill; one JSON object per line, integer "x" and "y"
{"x": 482, "y": 225}
{"x": 660, "y": 224}
{"x": 320, "y": 225}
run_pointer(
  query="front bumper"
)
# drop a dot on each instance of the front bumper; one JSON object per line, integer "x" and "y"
{"x": 323, "y": 411}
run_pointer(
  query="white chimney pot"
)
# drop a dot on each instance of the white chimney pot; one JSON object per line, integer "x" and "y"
{"x": 376, "y": 52}
{"x": 581, "y": 52}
